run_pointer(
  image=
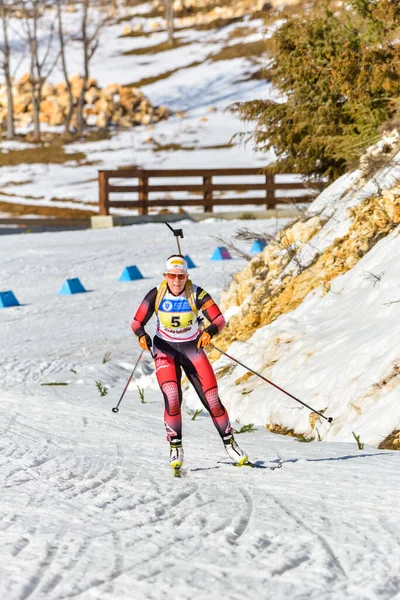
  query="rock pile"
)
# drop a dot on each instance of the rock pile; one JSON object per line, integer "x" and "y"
{"x": 113, "y": 105}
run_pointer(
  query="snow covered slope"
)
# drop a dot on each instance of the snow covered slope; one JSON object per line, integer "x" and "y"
{"x": 322, "y": 302}
{"x": 89, "y": 509}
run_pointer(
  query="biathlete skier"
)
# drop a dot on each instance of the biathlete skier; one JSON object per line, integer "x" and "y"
{"x": 178, "y": 344}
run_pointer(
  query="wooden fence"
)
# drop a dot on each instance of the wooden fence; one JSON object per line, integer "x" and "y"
{"x": 204, "y": 190}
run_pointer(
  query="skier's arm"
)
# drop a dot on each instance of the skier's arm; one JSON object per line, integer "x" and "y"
{"x": 211, "y": 311}
{"x": 144, "y": 313}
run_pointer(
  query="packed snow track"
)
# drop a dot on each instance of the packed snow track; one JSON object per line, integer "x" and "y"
{"x": 89, "y": 507}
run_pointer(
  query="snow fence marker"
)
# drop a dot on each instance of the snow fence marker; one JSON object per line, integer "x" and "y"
{"x": 72, "y": 286}
{"x": 189, "y": 261}
{"x": 221, "y": 253}
{"x": 131, "y": 273}
{"x": 258, "y": 246}
{"x": 7, "y": 299}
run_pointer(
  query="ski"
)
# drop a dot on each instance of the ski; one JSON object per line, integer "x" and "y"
{"x": 256, "y": 465}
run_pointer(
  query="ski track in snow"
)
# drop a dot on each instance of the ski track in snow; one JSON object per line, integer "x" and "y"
{"x": 89, "y": 508}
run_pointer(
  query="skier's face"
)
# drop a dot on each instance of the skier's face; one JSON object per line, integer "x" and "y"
{"x": 176, "y": 280}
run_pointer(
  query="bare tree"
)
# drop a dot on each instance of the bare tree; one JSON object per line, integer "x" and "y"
{"x": 169, "y": 17}
{"x": 63, "y": 42}
{"x": 42, "y": 62}
{"x": 5, "y": 63}
{"x": 90, "y": 31}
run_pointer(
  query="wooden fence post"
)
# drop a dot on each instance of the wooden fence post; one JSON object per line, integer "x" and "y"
{"x": 271, "y": 200}
{"x": 103, "y": 194}
{"x": 144, "y": 195}
{"x": 208, "y": 194}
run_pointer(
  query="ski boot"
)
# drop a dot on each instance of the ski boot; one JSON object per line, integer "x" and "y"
{"x": 176, "y": 457}
{"x": 235, "y": 453}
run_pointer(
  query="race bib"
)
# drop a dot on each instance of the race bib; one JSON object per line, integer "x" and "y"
{"x": 176, "y": 318}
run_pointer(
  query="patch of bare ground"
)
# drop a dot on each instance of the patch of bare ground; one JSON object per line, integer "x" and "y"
{"x": 268, "y": 297}
{"x": 218, "y": 23}
{"x": 280, "y": 430}
{"x": 16, "y": 183}
{"x": 241, "y": 31}
{"x": 163, "y": 47}
{"x": 176, "y": 147}
{"x": 53, "y": 154}
{"x": 20, "y": 210}
{"x": 135, "y": 34}
{"x": 132, "y": 3}
{"x": 241, "y": 50}
{"x": 391, "y": 442}
{"x": 223, "y": 371}
{"x": 149, "y": 80}
{"x": 91, "y": 135}
{"x": 200, "y": 9}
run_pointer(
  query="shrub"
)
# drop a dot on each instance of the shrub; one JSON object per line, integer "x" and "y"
{"x": 338, "y": 77}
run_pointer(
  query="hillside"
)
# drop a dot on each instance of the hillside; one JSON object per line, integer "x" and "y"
{"x": 317, "y": 312}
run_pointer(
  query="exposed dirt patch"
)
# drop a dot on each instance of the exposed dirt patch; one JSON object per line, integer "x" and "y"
{"x": 149, "y": 80}
{"x": 20, "y": 210}
{"x": 163, "y": 47}
{"x": 241, "y": 31}
{"x": 374, "y": 219}
{"x": 241, "y": 50}
{"x": 280, "y": 430}
{"x": 225, "y": 370}
{"x": 244, "y": 378}
{"x": 134, "y": 34}
{"x": 392, "y": 442}
{"x": 176, "y": 147}
{"x": 217, "y": 24}
{"x": 54, "y": 154}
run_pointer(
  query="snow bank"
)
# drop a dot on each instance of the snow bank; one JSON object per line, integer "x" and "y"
{"x": 318, "y": 313}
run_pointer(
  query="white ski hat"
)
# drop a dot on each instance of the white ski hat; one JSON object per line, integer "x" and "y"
{"x": 175, "y": 263}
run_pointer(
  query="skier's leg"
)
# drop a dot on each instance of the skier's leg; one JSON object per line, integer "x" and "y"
{"x": 168, "y": 374}
{"x": 201, "y": 375}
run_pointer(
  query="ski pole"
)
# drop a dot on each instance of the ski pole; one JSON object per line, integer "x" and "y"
{"x": 116, "y": 409}
{"x": 329, "y": 419}
{"x": 178, "y": 233}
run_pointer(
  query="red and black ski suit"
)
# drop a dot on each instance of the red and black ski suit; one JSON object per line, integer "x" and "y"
{"x": 172, "y": 355}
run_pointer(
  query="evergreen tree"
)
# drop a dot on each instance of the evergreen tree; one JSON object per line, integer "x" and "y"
{"x": 338, "y": 76}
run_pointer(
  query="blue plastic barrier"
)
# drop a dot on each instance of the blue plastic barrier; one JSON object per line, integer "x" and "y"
{"x": 189, "y": 261}
{"x": 72, "y": 286}
{"x": 130, "y": 274}
{"x": 258, "y": 246}
{"x": 8, "y": 299}
{"x": 221, "y": 253}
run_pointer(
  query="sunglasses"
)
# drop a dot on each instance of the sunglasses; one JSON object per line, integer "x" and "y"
{"x": 180, "y": 276}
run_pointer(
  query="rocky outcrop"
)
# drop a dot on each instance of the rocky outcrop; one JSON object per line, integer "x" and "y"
{"x": 113, "y": 105}
{"x": 276, "y": 281}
